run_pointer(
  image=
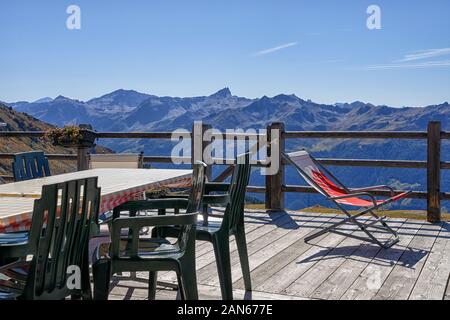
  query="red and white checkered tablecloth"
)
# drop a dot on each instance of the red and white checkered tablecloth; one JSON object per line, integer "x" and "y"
{"x": 111, "y": 201}
{"x": 16, "y": 211}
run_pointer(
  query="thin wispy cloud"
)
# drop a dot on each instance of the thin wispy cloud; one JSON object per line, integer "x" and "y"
{"x": 275, "y": 49}
{"x": 329, "y": 61}
{"x": 428, "y": 64}
{"x": 425, "y": 54}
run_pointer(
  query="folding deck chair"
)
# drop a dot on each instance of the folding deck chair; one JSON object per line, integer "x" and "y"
{"x": 329, "y": 186}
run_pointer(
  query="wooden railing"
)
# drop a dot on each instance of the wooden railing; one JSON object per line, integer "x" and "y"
{"x": 275, "y": 186}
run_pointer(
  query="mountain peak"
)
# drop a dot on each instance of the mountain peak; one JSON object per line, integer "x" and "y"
{"x": 43, "y": 100}
{"x": 60, "y": 98}
{"x": 222, "y": 93}
{"x": 122, "y": 91}
{"x": 287, "y": 98}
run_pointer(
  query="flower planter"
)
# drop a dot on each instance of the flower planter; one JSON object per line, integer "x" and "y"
{"x": 86, "y": 140}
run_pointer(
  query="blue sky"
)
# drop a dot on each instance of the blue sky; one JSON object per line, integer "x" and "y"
{"x": 319, "y": 50}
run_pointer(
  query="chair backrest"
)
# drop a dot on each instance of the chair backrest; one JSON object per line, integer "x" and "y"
{"x": 59, "y": 237}
{"x": 116, "y": 160}
{"x": 198, "y": 184}
{"x": 186, "y": 221}
{"x": 315, "y": 174}
{"x": 30, "y": 165}
{"x": 234, "y": 212}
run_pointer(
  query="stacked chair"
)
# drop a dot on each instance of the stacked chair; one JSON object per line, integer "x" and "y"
{"x": 58, "y": 242}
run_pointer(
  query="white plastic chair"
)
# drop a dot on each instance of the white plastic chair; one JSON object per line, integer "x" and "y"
{"x": 116, "y": 160}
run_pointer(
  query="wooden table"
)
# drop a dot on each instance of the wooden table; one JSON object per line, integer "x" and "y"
{"x": 117, "y": 186}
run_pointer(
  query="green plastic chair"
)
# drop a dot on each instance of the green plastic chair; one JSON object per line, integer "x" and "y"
{"x": 133, "y": 253}
{"x": 58, "y": 239}
{"x": 30, "y": 165}
{"x": 232, "y": 224}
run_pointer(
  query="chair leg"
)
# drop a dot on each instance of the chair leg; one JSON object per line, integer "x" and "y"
{"x": 86, "y": 291}
{"x": 243, "y": 257}
{"x": 189, "y": 278}
{"x": 181, "y": 294}
{"x": 102, "y": 274}
{"x": 221, "y": 246}
{"x": 152, "y": 277}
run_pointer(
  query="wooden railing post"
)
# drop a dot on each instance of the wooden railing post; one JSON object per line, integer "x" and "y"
{"x": 199, "y": 145}
{"x": 434, "y": 172}
{"x": 82, "y": 158}
{"x": 208, "y": 172}
{"x": 83, "y": 152}
{"x": 274, "y": 183}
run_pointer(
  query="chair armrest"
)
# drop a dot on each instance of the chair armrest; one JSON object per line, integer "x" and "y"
{"x": 217, "y": 186}
{"x": 134, "y": 224}
{"x": 173, "y": 196}
{"x": 153, "y": 221}
{"x": 360, "y": 194}
{"x": 136, "y": 205}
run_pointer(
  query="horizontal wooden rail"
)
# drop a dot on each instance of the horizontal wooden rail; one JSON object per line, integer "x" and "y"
{"x": 166, "y": 159}
{"x": 21, "y": 134}
{"x": 287, "y": 134}
{"x": 371, "y": 163}
{"x": 356, "y": 134}
{"x": 136, "y": 135}
{"x": 50, "y": 156}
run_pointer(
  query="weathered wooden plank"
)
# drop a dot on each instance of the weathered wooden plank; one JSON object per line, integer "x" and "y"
{"x": 137, "y": 290}
{"x": 374, "y": 275}
{"x": 207, "y": 292}
{"x": 262, "y": 250}
{"x": 282, "y": 279}
{"x": 447, "y": 292}
{"x": 357, "y": 134}
{"x": 208, "y": 274}
{"x": 206, "y": 264}
{"x": 208, "y": 261}
{"x": 308, "y": 282}
{"x": 401, "y": 280}
{"x": 335, "y": 267}
{"x": 282, "y": 258}
{"x": 253, "y": 220}
{"x": 435, "y": 273}
{"x": 343, "y": 277}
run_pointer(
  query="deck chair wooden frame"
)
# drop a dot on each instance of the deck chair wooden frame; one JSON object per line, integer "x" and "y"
{"x": 329, "y": 186}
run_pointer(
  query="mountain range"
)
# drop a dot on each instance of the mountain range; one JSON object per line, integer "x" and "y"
{"x": 129, "y": 110}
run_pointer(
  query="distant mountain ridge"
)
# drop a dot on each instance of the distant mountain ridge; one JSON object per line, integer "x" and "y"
{"x": 128, "y": 110}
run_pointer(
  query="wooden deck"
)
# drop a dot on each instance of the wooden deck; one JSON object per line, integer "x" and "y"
{"x": 283, "y": 266}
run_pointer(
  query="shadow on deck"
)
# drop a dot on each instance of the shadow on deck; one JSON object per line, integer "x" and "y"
{"x": 332, "y": 266}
